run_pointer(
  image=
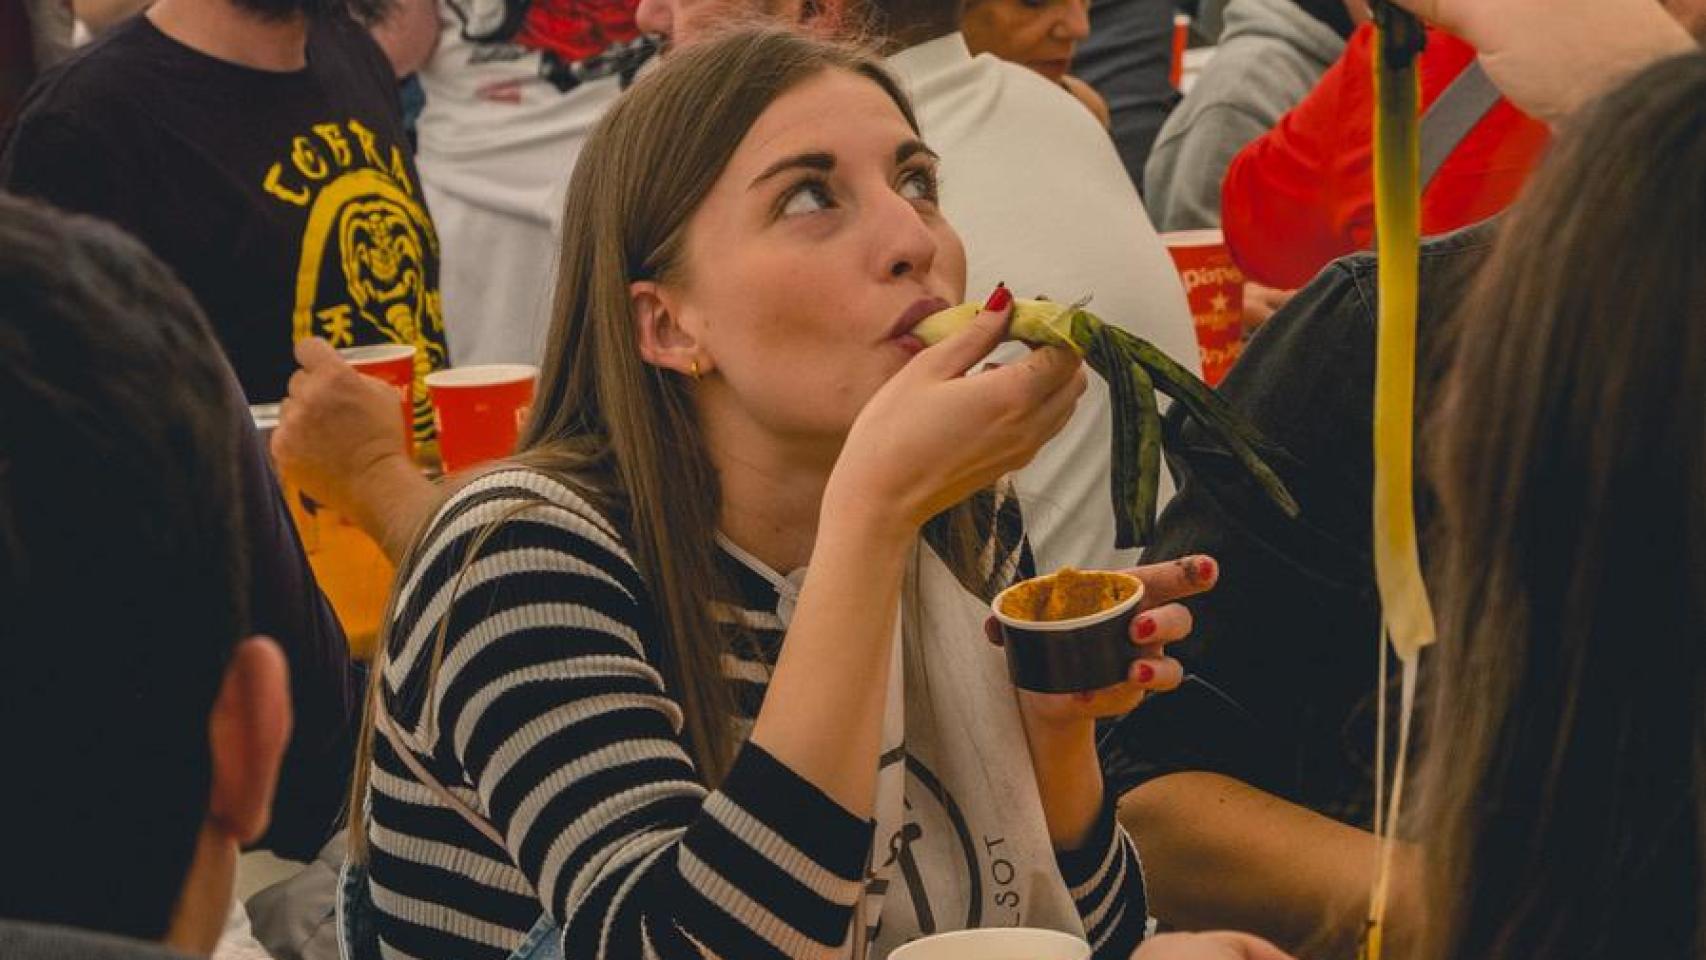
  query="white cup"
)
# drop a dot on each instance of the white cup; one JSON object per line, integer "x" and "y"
{"x": 996, "y": 943}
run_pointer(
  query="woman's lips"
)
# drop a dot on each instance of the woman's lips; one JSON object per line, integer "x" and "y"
{"x": 908, "y": 342}
{"x": 900, "y": 332}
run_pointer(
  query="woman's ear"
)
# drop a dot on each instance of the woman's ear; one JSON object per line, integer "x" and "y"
{"x": 664, "y": 341}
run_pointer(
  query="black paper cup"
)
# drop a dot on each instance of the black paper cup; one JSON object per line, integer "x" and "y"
{"x": 1070, "y": 656}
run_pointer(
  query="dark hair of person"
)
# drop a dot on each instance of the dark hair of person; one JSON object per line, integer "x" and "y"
{"x": 1566, "y": 784}
{"x": 121, "y": 572}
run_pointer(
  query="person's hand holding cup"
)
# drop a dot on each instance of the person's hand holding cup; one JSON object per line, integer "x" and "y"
{"x": 335, "y": 428}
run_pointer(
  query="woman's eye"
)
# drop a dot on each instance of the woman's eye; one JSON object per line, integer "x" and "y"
{"x": 919, "y": 185}
{"x": 808, "y": 197}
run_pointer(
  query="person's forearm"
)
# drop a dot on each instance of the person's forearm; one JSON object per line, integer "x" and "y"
{"x": 1220, "y": 853}
{"x": 390, "y": 501}
{"x": 823, "y": 710}
{"x": 1069, "y": 778}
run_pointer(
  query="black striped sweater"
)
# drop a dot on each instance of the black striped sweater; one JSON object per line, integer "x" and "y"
{"x": 550, "y": 719}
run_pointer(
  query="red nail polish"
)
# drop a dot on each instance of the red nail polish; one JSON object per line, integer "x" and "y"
{"x": 1205, "y": 570}
{"x": 1145, "y": 627}
{"x": 1145, "y": 673}
{"x": 999, "y": 300}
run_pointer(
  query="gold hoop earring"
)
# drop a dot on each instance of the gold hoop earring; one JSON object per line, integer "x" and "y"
{"x": 695, "y": 370}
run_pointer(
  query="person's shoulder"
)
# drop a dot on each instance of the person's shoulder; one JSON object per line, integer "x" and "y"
{"x": 1044, "y": 102}
{"x": 519, "y": 485}
{"x": 1449, "y": 256}
{"x": 94, "y": 86}
{"x": 29, "y": 941}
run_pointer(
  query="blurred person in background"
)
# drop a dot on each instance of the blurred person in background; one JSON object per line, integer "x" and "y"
{"x": 143, "y": 719}
{"x": 1128, "y": 59}
{"x": 1039, "y": 34}
{"x": 1302, "y": 194}
{"x": 1272, "y": 53}
{"x": 256, "y": 147}
{"x": 511, "y": 89}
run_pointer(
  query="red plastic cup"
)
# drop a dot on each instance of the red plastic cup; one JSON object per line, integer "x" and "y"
{"x": 1215, "y": 288}
{"x": 392, "y": 363}
{"x": 480, "y": 410}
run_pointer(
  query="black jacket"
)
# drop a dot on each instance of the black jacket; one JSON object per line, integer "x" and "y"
{"x": 1284, "y": 649}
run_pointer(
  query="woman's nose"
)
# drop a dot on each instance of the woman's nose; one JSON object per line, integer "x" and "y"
{"x": 1074, "y": 21}
{"x": 907, "y": 244}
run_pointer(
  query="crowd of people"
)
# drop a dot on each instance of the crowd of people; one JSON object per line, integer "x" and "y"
{"x": 705, "y": 667}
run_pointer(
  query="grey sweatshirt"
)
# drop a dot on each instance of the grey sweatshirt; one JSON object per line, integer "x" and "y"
{"x": 1271, "y": 55}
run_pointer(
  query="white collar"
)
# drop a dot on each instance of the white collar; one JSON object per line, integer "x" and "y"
{"x": 919, "y": 63}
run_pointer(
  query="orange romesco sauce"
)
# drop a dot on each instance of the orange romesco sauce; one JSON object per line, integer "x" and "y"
{"x": 1066, "y": 595}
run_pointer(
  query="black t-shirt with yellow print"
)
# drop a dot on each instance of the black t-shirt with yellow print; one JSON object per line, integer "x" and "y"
{"x": 288, "y": 202}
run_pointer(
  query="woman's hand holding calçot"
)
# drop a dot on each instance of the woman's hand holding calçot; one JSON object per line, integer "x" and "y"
{"x": 932, "y": 436}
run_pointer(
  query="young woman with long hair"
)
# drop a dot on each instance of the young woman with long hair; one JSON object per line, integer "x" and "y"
{"x": 1565, "y": 793}
{"x": 702, "y": 670}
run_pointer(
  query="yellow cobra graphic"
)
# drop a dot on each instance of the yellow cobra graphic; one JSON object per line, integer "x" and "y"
{"x": 1407, "y": 619}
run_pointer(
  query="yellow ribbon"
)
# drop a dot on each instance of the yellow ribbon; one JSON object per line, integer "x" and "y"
{"x": 1407, "y": 618}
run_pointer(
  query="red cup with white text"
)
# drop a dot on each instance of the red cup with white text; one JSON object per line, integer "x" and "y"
{"x": 1215, "y": 288}
{"x": 394, "y": 364}
{"x": 480, "y": 410}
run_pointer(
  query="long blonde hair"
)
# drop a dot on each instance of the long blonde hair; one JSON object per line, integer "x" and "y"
{"x": 623, "y": 432}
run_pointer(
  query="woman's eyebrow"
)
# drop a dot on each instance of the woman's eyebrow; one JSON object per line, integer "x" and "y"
{"x": 816, "y": 160}
{"x": 912, "y": 148}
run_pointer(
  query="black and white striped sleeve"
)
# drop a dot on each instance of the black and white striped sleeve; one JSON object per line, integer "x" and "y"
{"x": 550, "y": 703}
{"x": 1106, "y": 883}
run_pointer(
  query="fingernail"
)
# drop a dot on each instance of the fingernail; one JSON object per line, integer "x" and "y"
{"x": 1200, "y": 570}
{"x": 1145, "y": 673}
{"x": 999, "y": 299}
{"x": 1145, "y": 627}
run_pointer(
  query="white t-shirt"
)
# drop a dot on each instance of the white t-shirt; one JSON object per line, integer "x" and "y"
{"x": 512, "y": 93}
{"x": 513, "y": 90}
{"x": 1036, "y": 190}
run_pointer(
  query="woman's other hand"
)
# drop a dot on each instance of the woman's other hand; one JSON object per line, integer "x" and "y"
{"x": 1208, "y": 946}
{"x": 1161, "y": 620}
{"x": 932, "y": 436}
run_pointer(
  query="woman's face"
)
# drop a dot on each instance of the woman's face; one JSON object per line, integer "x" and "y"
{"x": 1040, "y": 34}
{"x": 809, "y": 260}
